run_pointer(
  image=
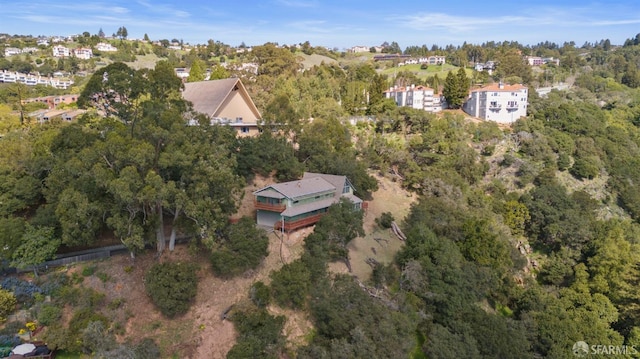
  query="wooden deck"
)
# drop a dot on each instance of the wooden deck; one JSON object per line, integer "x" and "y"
{"x": 292, "y": 226}
{"x": 270, "y": 207}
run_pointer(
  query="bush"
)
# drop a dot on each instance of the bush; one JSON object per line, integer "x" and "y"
{"x": 172, "y": 287}
{"x": 51, "y": 284}
{"x": 260, "y": 295}
{"x": 291, "y": 284}
{"x": 49, "y": 314}
{"x": 22, "y": 290}
{"x": 385, "y": 220}
{"x": 88, "y": 271}
{"x": 7, "y": 304}
{"x": 243, "y": 247}
{"x": 147, "y": 349}
{"x": 9, "y": 340}
{"x": 488, "y": 150}
{"x": 260, "y": 335}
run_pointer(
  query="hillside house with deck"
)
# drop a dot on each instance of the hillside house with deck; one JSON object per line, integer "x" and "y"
{"x": 296, "y": 204}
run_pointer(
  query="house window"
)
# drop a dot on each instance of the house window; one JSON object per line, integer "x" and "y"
{"x": 245, "y": 129}
{"x": 238, "y": 119}
{"x": 346, "y": 188}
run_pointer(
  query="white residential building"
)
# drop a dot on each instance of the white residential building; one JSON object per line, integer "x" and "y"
{"x": 357, "y": 49}
{"x": 83, "y": 53}
{"x": 43, "y": 42}
{"x": 104, "y": 47}
{"x": 10, "y": 51}
{"x": 418, "y": 97}
{"x": 539, "y": 61}
{"x": 498, "y": 102}
{"x": 60, "y": 51}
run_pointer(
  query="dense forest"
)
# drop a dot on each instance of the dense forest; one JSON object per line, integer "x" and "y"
{"x": 524, "y": 239}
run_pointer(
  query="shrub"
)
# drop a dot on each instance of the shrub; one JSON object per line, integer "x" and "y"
{"x": 52, "y": 283}
{"x": 7, "y": 304}
{"x": 385, "y": 220}
{"x": 291, "y": 284}
{"x": 243, "y": 247}
{"x": 147, "y": 349}
{"x": 488, "y": 150}
{"x": 260, "y": 335}
{"x": 88, "y": 271}
{"x": 22, "y": 290}
{"x": 9, "y": 340}
{"x": 172, "y": 287}
{"x": 260, "y": 295}
{"x": 49, "y": 314}
{"x": 77, "y": 325}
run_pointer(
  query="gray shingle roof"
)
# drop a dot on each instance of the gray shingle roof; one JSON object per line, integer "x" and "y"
{"x": 307, "y": 207}
{"x": 336, "y": 180}
{"x": 299, "y": 188}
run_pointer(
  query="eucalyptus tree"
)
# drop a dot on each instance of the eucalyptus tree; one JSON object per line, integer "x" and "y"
{"x": 152, "y": 166}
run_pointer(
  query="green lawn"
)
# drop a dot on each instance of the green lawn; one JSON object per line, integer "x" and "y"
{"x": 432, "y": 70}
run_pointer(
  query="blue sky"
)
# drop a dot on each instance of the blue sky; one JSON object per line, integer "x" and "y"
{"x": 339, "y": 24}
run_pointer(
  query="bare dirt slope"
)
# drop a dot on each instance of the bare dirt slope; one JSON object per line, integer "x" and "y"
{"x": 390, "y": 197}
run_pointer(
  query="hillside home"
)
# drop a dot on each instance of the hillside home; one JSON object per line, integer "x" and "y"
{"x": 104, "y": 47}
{"x": 498, "y": 102}
{"x": 292, "y": 205}
{"x": 53, "y": 101}
{"x": 10, "y": 51}
{"x": 356, "y": 49}
{"x": 539, "y": 61}
{"x": 418, "y": 97}
{"x": 60, "y": 51}
{"x": 83, "y": 53}
{"x": 224, "y": 102}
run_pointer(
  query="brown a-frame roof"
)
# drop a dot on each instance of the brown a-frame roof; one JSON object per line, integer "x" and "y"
{"x": 208, "y": 97}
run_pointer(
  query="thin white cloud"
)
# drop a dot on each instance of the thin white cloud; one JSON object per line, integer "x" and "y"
{"x": 164, "y": 9}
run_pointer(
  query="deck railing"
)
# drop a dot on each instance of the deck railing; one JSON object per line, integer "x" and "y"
{"x": 293, "y": 225}
{"x": 280, "y": 207}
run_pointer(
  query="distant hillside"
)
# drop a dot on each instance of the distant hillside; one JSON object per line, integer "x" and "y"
{"x": 315, "y": 59}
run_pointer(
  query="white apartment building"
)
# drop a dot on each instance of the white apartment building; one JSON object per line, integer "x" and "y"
{"x": 104, "y": 47}
{"x": 83, "y": 53}
{"x": 498, "y": 102}
{"x": 60, "y": 51}
{"x": 418, "y": 97}
{"x": 539, "y": 61}
{"x": 10, "y": 51}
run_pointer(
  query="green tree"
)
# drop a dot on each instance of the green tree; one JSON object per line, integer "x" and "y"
{"x": 39, "y": 244}
{"x": 218, "y": 72}
{"x": 197, "y": 72}
{"x": 453, "y": 90}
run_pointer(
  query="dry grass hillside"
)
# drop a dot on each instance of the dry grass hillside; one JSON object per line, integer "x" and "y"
{"x": 201, "y": 333}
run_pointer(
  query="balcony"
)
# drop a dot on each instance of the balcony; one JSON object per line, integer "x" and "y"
{"x": 512, "y": 106}
{"x": 301, "y": 223}
{"x": 495, "y": 107}
{"x": 278, "y": 207}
